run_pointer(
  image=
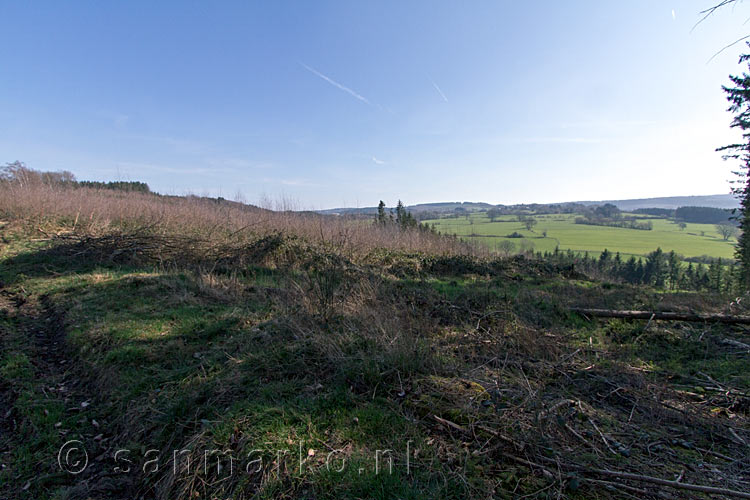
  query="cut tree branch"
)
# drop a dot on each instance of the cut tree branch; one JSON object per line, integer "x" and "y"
{"x": 674, "y": 484}
{"x": 664, "y": 316}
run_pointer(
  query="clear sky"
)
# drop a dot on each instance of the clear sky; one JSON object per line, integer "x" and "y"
{"x": 346, "y": 103}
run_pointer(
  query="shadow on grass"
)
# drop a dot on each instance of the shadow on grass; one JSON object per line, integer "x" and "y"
{"x": 165, "y": 363}
{"x": 48, "y": 261}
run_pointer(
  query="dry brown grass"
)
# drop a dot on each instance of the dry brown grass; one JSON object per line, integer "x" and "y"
{"x": 100, "y": 212}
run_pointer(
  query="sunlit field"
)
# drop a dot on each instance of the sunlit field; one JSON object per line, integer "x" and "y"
{"x": 562, "y": 232}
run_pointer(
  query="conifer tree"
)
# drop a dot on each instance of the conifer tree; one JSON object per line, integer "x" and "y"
{"x": 604, "y": 259}
{"x": 639, "y": 272}
{"x": 701, "y": 277}
{"x": 400, "y": 213}
{"x": 738, "y": 95}
{"x": 716, "y": 274}
{"x": 380, "y": 218}
{"x": 656, "y": 270}
{"x": 675, "y": 270}
{"x": 691, "y": 274}
{"x": 629, "y": 271}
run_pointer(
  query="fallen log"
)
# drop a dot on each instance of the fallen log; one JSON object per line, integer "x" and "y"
{"x": 663, "y": 315}
{"x": 673, "y": 484}
{"x": 712, "y": 490}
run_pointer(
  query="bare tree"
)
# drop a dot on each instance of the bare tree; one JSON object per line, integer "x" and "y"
{"x": 21, "y": 175}
{"x": 711, "y": 10}
{"x": 527, "y": 221}
{"x": 493, "y": 213}
{"x": 726, "y": 231}
{"x": 527, "y": 246}
{"x": 506, "y": 247}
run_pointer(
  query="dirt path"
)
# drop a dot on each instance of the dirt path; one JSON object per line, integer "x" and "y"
{"x": 7, "y": 395}
{"x": 58, "y": 378}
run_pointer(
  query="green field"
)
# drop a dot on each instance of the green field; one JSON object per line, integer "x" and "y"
{"x": 562, "y": 231}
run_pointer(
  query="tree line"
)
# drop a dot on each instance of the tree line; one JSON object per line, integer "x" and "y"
{"x": 660, "y": 269}
{"x": 18, "y": 173}
{"x": 399, "y": 217}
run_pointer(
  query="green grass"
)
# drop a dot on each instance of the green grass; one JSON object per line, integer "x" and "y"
{"x": 172, "y": 359}
{"x": 168, "y": 360}
{"x": 695, "y": 240}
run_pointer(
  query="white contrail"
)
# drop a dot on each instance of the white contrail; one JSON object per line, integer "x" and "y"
{"x": 438, "y": 89}
{"x": 336, "y": 84}
{"x": 379, "y": 162}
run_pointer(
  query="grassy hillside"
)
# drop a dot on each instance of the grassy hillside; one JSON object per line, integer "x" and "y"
{"x": 562, "y": 231}
{"x": 716, "y": 200}
{"x": 280, "y": 364}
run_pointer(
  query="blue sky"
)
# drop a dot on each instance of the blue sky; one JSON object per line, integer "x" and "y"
{"x": 345, "y": 103}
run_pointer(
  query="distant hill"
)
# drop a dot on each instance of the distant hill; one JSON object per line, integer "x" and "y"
{"x": 447, "y": 206}
{"x": 670, "y": 202}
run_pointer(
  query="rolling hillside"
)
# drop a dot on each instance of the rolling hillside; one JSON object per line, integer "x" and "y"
{"x": 715, "y": 200}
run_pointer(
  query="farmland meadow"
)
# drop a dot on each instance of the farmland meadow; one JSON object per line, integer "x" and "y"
{"x": 694, "y": 240}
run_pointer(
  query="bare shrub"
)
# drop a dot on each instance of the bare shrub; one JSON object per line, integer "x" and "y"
{"x": 370, "y": 337}
{"x": 206, "y": 222}
{"x": 323, "y": 286}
